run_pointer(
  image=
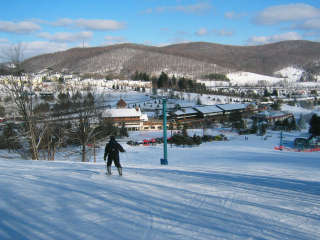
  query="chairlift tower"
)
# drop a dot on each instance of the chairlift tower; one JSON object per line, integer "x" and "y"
{"x": 164, "y": 160}
{"x": 281, "y": 140}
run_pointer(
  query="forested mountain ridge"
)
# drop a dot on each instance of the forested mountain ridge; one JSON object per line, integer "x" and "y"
{"x": 190, "y": 59}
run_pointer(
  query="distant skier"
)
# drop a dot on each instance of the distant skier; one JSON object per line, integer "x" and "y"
{"x": 112, "y": 151}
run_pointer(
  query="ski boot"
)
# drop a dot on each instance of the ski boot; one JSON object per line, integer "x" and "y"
{"x": 108, "y": 170}
{"x": 120, "y": 171}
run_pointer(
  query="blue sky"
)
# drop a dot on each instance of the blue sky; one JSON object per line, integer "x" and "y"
{"x": 47, "y": 26}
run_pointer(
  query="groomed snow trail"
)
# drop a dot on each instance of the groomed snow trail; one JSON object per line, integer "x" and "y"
{"x": 63, "y": 200}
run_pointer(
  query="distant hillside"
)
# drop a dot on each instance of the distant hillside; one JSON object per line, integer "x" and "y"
{"x": 190, "y": 59}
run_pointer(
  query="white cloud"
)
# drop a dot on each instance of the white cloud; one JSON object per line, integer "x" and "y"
{"x": 233, "y": 15}
{"x": 285, "y": 13}
{"x": 147, "y": 11}
{"x": 63, "y": 22}
{"x": 19, "y": 27}
{"x": 202, "y": 32}
{"x": 197, "y": 8}
{"x": 310, "y": 24}
{"x": 176, "y": 40}
{"x": 66, "y": 36}
{"x": 90, "y": 24}
{"x": 41, "y": 47}
{"x": 223, "y": 33}
{"x": 256, "y": 40}
{"x": 115, "y": 40}
{"x": 98, "y": 24}
{"x": 30, "y": 49}
{"x": 3, "y": 40}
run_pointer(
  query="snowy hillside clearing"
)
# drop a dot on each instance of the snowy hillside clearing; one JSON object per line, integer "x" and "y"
{"x": 247, "y": 78}
{"x": 220, "y": 190}
{"x": 292, "y": 74}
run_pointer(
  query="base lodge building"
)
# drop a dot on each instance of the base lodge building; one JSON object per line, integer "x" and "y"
{"x": 134, "y": 120}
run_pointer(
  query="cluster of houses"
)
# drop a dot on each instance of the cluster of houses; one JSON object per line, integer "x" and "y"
{"x": 134, "y": 120}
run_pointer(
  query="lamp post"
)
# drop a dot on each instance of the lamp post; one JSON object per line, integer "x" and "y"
{"x": 164, "y": 160}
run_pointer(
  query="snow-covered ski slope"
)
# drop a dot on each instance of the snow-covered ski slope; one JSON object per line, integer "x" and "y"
{"x": 220, "y": 190}
{"x": 289, "y": 74}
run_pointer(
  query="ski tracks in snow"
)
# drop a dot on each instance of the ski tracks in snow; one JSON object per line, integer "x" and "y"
{"x": 235, "y": 206}
{"x": 157, "y": 203}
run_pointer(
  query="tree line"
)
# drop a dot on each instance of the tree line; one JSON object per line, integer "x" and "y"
{"x": 166, "y": 82}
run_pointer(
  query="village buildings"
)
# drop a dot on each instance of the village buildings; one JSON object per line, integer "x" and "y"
{"x": 133, "y": 119}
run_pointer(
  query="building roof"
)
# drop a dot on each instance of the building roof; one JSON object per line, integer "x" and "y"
{"x": 186, "y": 111}
{"x": 272, "y": 114}
{"x": 208, "y": 109}
{"x": 122, "y": 112}
{"x": 230, "y": 106}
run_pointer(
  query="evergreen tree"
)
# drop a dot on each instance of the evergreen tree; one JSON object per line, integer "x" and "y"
{"x": 173, "y": 81}
{"x": 145, "y": 77}
{"x": 276, "y": 106}
{"x": 163, "y": 80}
{"x": 182, "y": 83}
{"x": 266, "y": 93}
{"x": 314, "y": 125}
{"x": 190, "y": 84}
{"x": 275, "y": 92}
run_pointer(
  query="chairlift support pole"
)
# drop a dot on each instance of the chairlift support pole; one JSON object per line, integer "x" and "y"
{"x": 281, "y": 140}
{"x": 164, "y": 160}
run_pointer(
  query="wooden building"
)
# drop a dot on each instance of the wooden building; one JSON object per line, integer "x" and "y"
{"x": 131, "y": 118}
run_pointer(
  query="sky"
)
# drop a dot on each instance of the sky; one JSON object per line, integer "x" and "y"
{"x": 43, "y": 26}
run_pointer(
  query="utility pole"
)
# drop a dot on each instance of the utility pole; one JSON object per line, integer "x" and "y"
{"x": 281, "y": 140}
{"x": 164, "y": 160}
{"x": 94, "y": 148}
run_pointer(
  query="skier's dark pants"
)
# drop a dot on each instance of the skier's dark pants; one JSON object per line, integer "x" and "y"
{"x": 116, "y": 162}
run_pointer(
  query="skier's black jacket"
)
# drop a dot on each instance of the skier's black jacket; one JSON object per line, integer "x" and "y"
{"x": 112, "y": 150}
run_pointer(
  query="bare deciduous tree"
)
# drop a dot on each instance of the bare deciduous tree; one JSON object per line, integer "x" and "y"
{"x": 84, "y": 107}
{"x": 20, "y": 88}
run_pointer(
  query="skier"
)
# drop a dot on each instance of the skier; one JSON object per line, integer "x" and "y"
{"x": 112, "y": 151}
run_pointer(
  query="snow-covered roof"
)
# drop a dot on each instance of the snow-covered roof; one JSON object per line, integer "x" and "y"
{"x": 185, "y": 111}
{"x": 208, "y": 109}
{"x": 122, "y": 112}
{"x": 272, "y": 114}
{"x": 144, "y": 117}
{"x": 230, "y": 106}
